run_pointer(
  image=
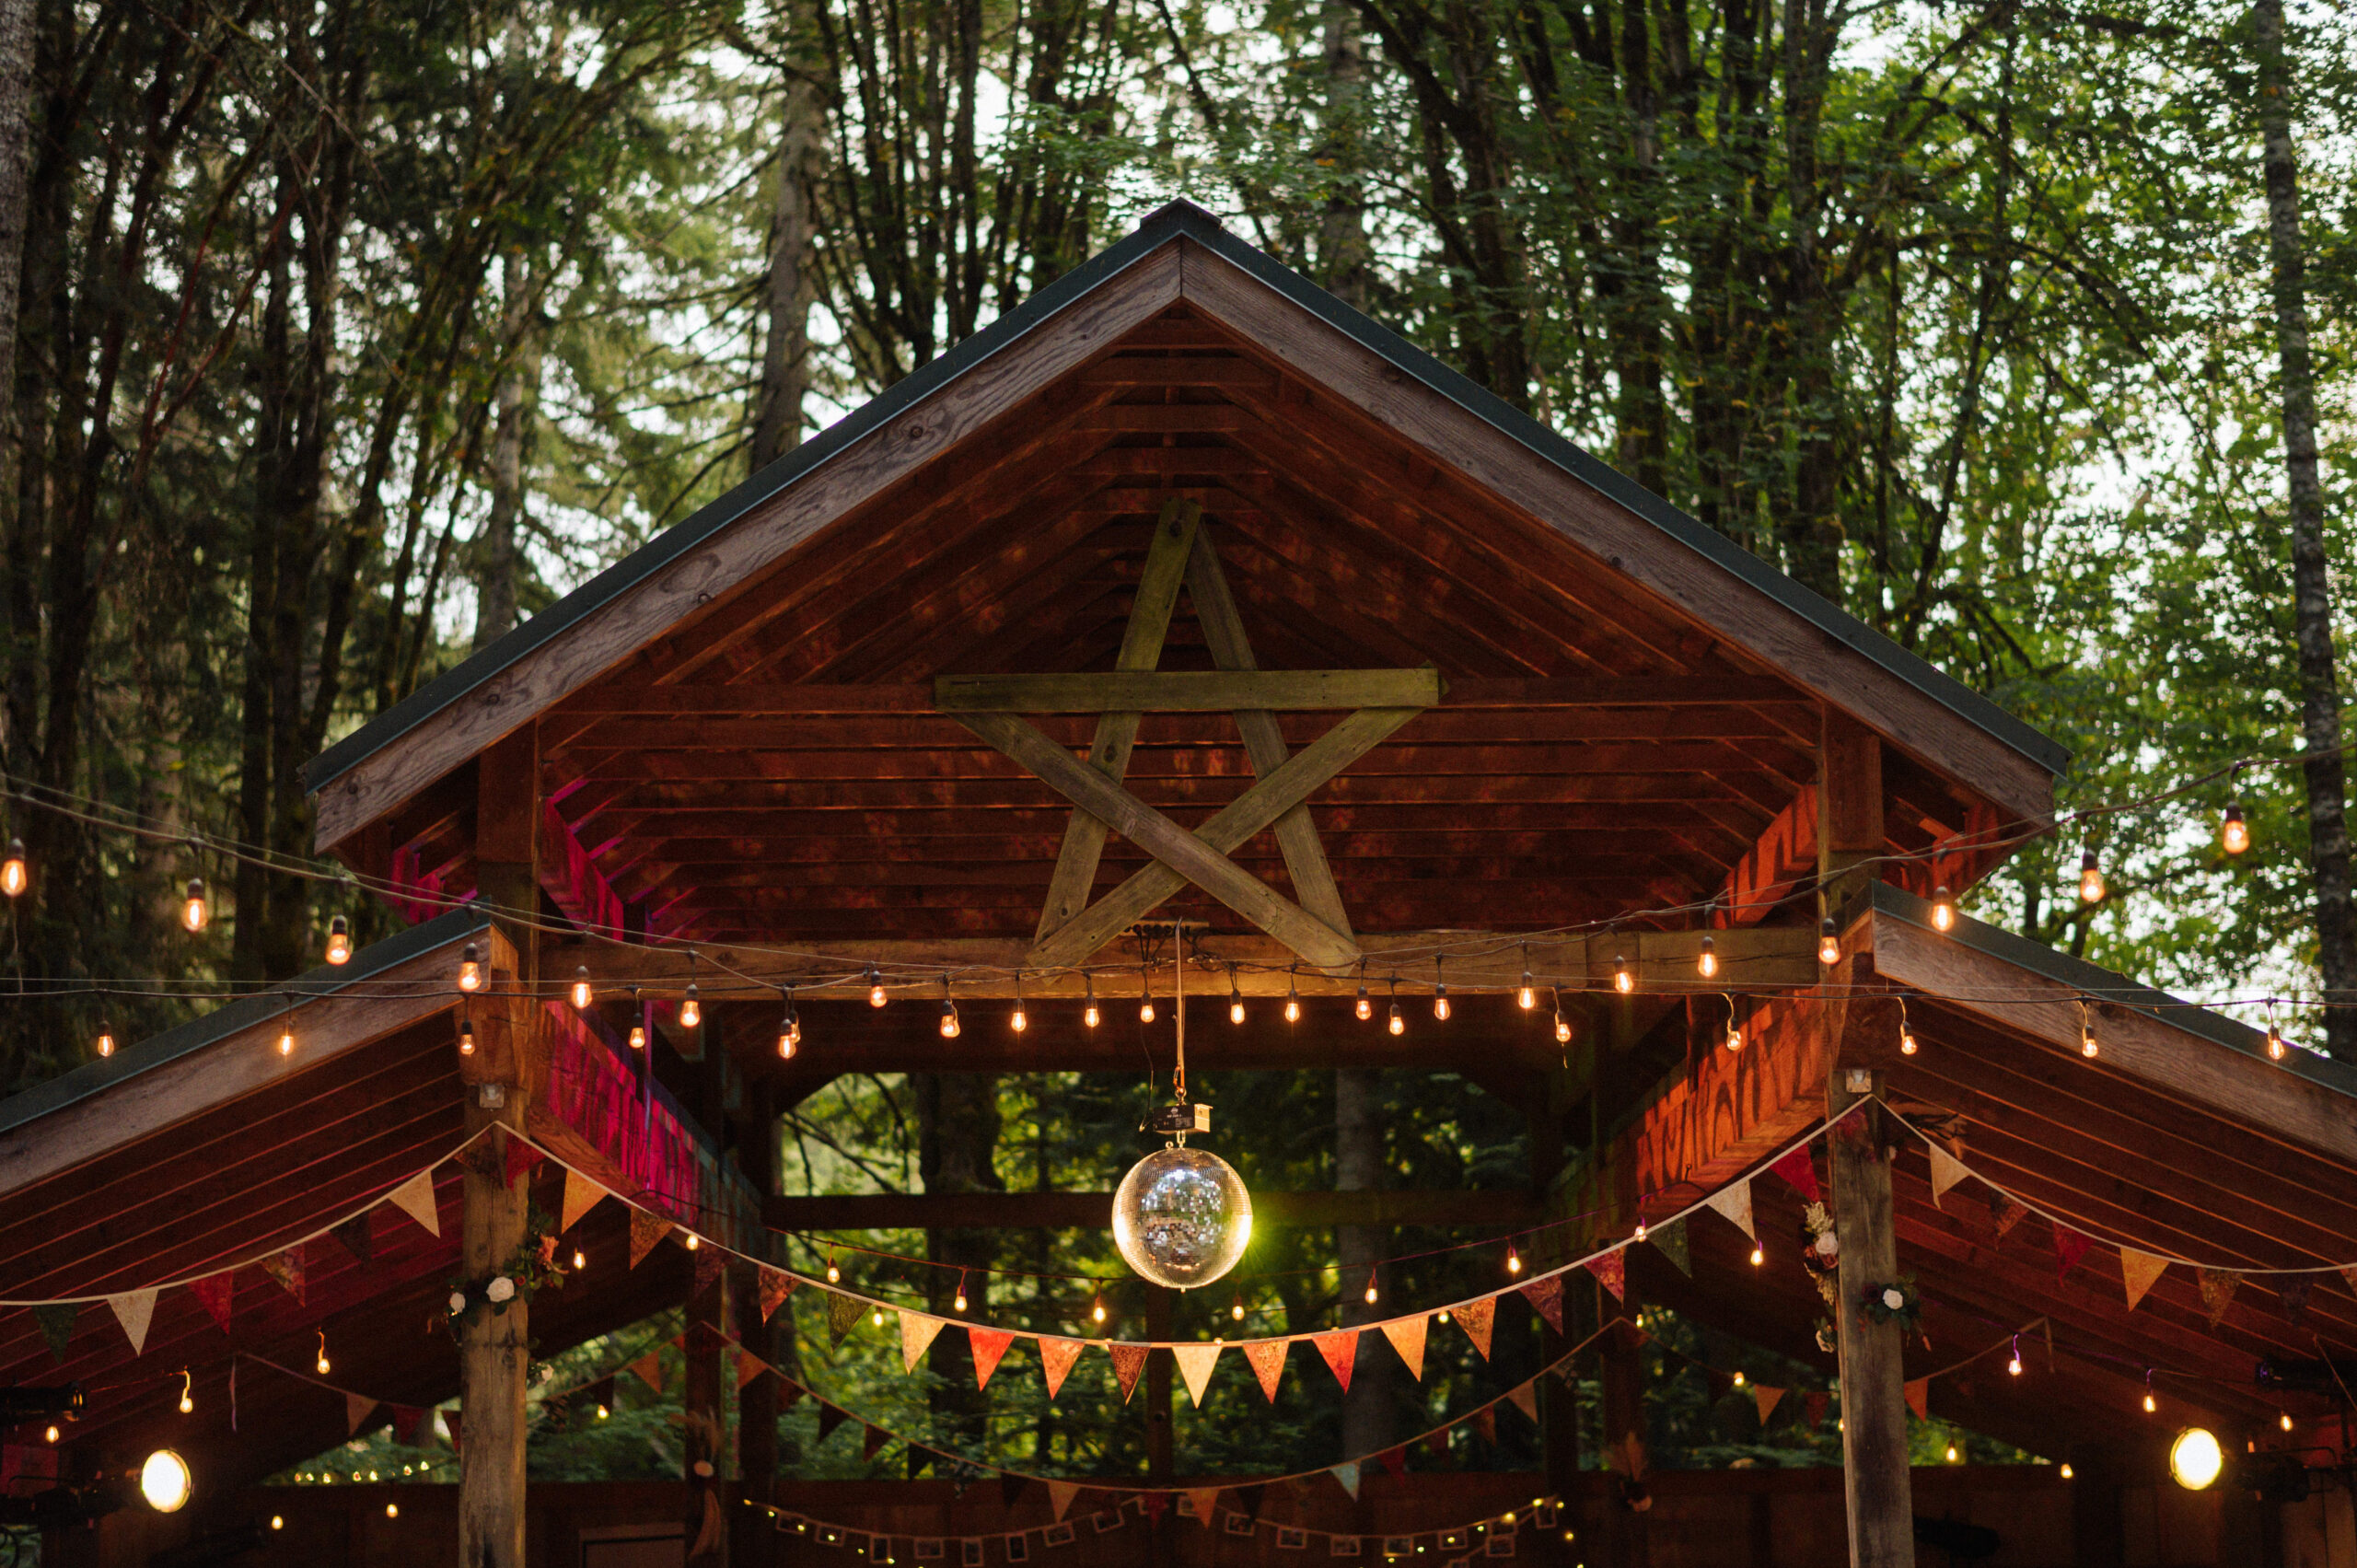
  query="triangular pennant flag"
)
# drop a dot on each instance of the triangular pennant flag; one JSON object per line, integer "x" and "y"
{"x": 1060, "y": 1497}
{"x": 1340, "y": 1349}
{"x": 1671, "y": 1238}
{"x": 776, "y": 1285}
{"x": 2349, "y": 1276}
{"x": 2069, "y": 1245}
{"x": 407, "y": 1418}
{"x": 1195, "y": 1363}
{"x": 1346, "y": 1475}
{"x": 415, "y": 1199}
{"x": 56, "y": 1320}
{"x": 1129, "y": 1360}
{"x": 843, "y": 1316}
{"x": 830, "y": 1417}
{"x": 988, "y": 1345}
{"x": 1010, "y": 1488}
{"x": 1437, "y": 1442}
{"x": 1766, "y": 1398}
{"x": 1524, "y": 1397}
{"x": 789, "y": 1393}
{"x": 286, "y": 1268}
{"x": 355, "y": 1411}
{"x": 1248, "y": 1500}
{"x": 2295, "y": 1294}
{"x": 1813, "y": 1405}
{"x": 917, "y": 1333}
{"x": 134, "y": 1311}
{"x": 1394, "y": 1460}
{"x": 1056, "y": 1356}
{"x": 2139, "y": 1272}
{"x": 873, "y": 1441}
{"x": 1919, "y": 1395}
{"x": 581, "y": 1195}
{"x": 645, "y": 1230}
{"x": 1476, "y": 1318}
{"x": 1204, "y": 1501}
{"x": 1797, "y": 1168}
{"x": 2218, "y": 1287}
{"x": 1733, "y": 1202}
{"x": 2005, "y": 1210}
{"x": 1613, "y": 1270}
{"x": 215, "y": 1291}
{"x": 649, "y": 1369}
{"x": 1485, "y": 1421}
{"x": 1946, "y": 1171}
{"x": 1267, "y": 1359}
{"x": 1407, "y": 1337}
{"x": 750, "y": 1366}
{"x": 1546, "y": 1298}
{"x": 355, "y": 1237}
{"x": 454, "y": 1422}
{"x": 710, "y": 1261}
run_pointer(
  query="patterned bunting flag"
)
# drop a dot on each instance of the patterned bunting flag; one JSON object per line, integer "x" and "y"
{"x": 2069, "y": 1245}
{"x": 648, "y": 1369}
{"x": 710, "y": 1261}
{"x": 1407, "y": 1337}
{"x": 1734, "y": 1204}
{"x": 1946, "y": 1171}
{"x": 2218, "y": 1287}
{"x": 873, "y": 1442}
{"x": 407, "y": 1418}
{"x": 776, "y": 1285}
{"x": 1394, "y": 1460}
{"x": 355, "y": 1237}
{"x": 1195, "y": 1363}
{"x": 1546, "y": 1298}
{"x": 2139, "y": 1272}
{"x": 918, "y": 1331}
{"x": 1129, "y": 1360}
{"x": 1346, "y": 1475}
{"x": 2348, "y": 1277}
{"x": 830, "y": 1417}
{"x": 1613, "y": 1270}
{"x": 1203, "y": 1502}
{"x": 1061, "y": 1494}
{"x": 843, "y": 1316}
{"x": 415, "y": 1199}
{"x": 134, "y": 1311}
{"x": 1814, "y": 1405}
{"x": 1056, "y": 1358}
{"x": 1340, "y": 1348}
{"x": 1485, "y": 1423}
{"x": 1766, "y": 1398}
{"x": 1267, "y": 1359}
{"x": 1476, "y": 1318}
{"x": 1919, "y": 1397}
{"x": 356, "y": 1408}
{"x": 521, "y": 1158}
{"x": 1797, "y": 1168}
{"x": 645, "y": 1230}
{"x": 1524, "y": 1397}
{"x": 1671, "y": 1238}
{"x": 455, "y": 1423}
{"x": 750, "y": 1366}
{"x": 286, "y": 1268}
{"x": 581, "y": 1195}
{"x": 215, "y": 1291}
{"x": 2005, "y": 1212}
{"x": 56, "y": 1320}
{"x": 988, "y": 1345}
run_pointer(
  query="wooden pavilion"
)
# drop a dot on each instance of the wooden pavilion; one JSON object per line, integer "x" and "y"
{"x": 1186, "y": 592}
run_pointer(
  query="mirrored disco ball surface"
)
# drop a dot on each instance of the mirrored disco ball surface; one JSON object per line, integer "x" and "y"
{"x": 1181, "y": 1217}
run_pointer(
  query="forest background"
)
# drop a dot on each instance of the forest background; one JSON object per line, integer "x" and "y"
{"x": 347, "y": 332}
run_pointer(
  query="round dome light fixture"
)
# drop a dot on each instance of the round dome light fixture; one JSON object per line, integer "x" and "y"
{"x": 1181, "y": 1217}
{"x": 2195, "y": 1458}
{"x": 164, "y": 1482}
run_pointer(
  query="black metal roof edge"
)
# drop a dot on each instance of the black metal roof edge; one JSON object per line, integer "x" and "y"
{"x": 233, "y": 1017}
{"x": 1175, "y": 220}
{"x": 2104, "y": 985}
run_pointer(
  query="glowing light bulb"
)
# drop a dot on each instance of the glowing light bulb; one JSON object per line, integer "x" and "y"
{"x": 638, "y": 1036}
{"x": 2151, "y": 1404}
{"x": 2087, "y": 1046}
{"x": 1019, "y": 1020}
{"x": 834, "y": 1275}
{"x": 1396, "y": 1025}
{"x": 1735, "y": 1034}
{"x": 106, "y": 1038}
{"x": 1641, "y": 1230}
{"x": 2014, "y": 1365}
{"x": 789, "y": 1034}
{"x": 469, "y": 969}
{"x": 2234, "y": 833}
{"x": 959, "y": 1304}
{"x": 322, "y": 1363}
{"x": 948, "y": 1019}
{"x": 1365, "y": 1008}
{"x": 580, "y": 1259}
{"x": 188, "y": 1400}
{"x": 51, "y": 1434}
{"x": 2275, "y": 1046}
{"x": 1440, "y": 1002}
{"x": 691, "y": 1008}
{"x": 1623, "y": 981}
{"x": 1562, "y": 1026}
{"x": 1145, "y": 1010}
{"x": 693, "y": 1241}
{"x": 1829, "y": 943}
{"x": 339, "y": 941}
{"x": 1235, "y": 1310}
{"x": 278, "y": 1521}
{"x": 466, "y": 1037}
{"x": 1738, "y": 1379}
{"x": 603, "y": 1413}
{"x": 1371, "y": 1291}
{"x": 1706, "y": 962}
{"x": 194, "y": 911}
{"x": 2284, "y": 1420}
{"x": 2090, "y": 878}
{"x": 876, "y": 997}
{"x": 1952, "y": 1454}
{"x": 1526, "y": 995}
{"x": 287, "y": 1040}
{"x": 1292, "y": 1005}
{"x": 2066, "y": 1472}
{"x": 1089, "y": 1014}
{"x": 1235, "y": 1005}
{"x": 14, "y": 877}
{"x": 1514, "y": 1260}
{"x": 1757, "y": 1256}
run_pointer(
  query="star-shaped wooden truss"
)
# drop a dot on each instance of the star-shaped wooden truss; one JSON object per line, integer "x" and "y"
{"x": 1071, "y": 928}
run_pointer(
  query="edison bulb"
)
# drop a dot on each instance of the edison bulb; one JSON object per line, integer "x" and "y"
{"x": 1829, "y": 943}
{"x": 1021, "y": 1020}
{"x": 193, "y": 910}
{"x": 1622, "y": 981}
{"x": 13, "y": 875}
{"x": 287, "y": 1042}
{"x": 1090, "y": 1014}
{"x": 466, "y": 1038}
{"x": 1706, "y": 962}
{"x": 1293, "y": 1006}
{"x": 1146, "y": 1011}
{"x": 1181, "y": 1217}
{"x": 1235, "y": 1009}
{"x": 105, "y": 1040}
{"x": 1526, "y": 995}
{"x": 876, "y": 997}
{"x": 1942, "y": 908}
{"x": 469, "y": 969}
{"x": 1440, "y": 1004}
{"x": 638, "y": 1036}
{"x": 2234, "y": 833}
{"x": 691, "y": 1008}
{"x": 2090, "y": 878}
{"x": 339, "y": 941}
{"x": 1396, "y": 1025}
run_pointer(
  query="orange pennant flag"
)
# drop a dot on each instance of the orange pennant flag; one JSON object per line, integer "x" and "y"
{"x": 1205, "y": 1503}
{"x": 1267, "y": 1358}
{"x": 989, "y": 1345}
{"x": 1129, "y": 1360}
{"x": 1407, "y": 1337}
{"x": 2139, "y": 1272}
{"x": 1919, "y": 1395}
{"x": 1195, "y": 1363}
{"x": 1340, "y": 1348}
{"x": 776, "y": 1285}
{"x": 1477, "y": 1318}
{"x": 649, "y": 1369}
{"x": 1056, "y": 1357}
{"x": 581, "y": 1195}
{"x": 1766, "y": 1398}
{"x": 750, "y": 1366}
{"x": 645, "y": 1230}
{"x": 2218, "y": 1287}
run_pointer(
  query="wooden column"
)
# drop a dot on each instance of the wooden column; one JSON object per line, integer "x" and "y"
{"x": 2098, "y": 1537}
{"x": 494, "y": 1351}
{"x": 1157, "y": 1388}
{"x": 1874, "y": 1398}
{"x": 1627, "y": 1539}
{"x": 751, "y": 1536}
{"x": 701, "y": 1401}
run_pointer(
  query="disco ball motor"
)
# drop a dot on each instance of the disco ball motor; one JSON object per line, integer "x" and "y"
{"x": 1181, "y": 1217}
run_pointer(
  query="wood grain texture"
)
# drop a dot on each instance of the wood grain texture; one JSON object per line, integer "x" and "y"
{"x": 1200, "y": 691}
{"x": 1874, "y": 1403}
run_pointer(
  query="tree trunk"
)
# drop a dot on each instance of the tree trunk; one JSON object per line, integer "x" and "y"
{"x": 1341, "y": 229}
{"x": 499, "y": 561}
{"x": 2325, "y": 773}
{"x": 15, "y": 90}
{"x": 1358, "y": 1167}
{"x": 785, "y": 357}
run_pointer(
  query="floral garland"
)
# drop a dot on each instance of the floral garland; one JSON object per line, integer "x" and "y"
{"x": 528, "y": 1268}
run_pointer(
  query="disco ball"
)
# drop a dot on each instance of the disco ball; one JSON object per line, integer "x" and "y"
{"x": 1181, "y": 1217}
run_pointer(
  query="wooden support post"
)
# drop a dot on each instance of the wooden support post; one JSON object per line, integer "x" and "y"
{"x": 1157, "y": 1388}
{"x": 2098, "y": 1537}
{"x": 495, "y": 1350}
{"x": 700, "y": 1409}
{"x": 1628, "y": 1537}
{"x": 1849, "y": 804}
{"x": 1874, "y": 1398}
{"x": 752, "y": 1538}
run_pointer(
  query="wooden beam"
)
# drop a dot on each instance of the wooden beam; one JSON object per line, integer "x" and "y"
{"x": 1492, "y": 1210}
{"x": 1117, "y": 731}
{"x": 1191, "y": 690}
{"x": 1873, "y": 1403}
{"x": 494, "y": 1352}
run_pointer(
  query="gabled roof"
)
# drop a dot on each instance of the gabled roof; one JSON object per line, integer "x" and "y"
{"x": 1668, "y": 553}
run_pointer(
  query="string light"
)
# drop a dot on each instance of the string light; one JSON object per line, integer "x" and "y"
{"x": 1942, "y": 908}
{"x": 692, "y": 1240}
{"x": 2090, "y": 878}
{"x": 14, "y": 877}
{"x": 877, "y": 1317}
{"x": 2276, "y": 1049}
{"x": 834, "y": 1275}
{"x": 466, "y": 1037}
{"x": 286, "y": 1030}
{"x": 638, "y": 1036}
{"x": 51, "y": 1434}
{"x": 194, "y": 909}
{"x": 2065, "y": 1472}
{"x": 2087, "y": 1047}
{"x": 1096, "y": 1308}
{"x": 106, "y": 1038}
{"x": 1293, "y": 999}
{"x": 1953, "y": 1457}
{"x": 1018, "y": 1020}
{"x": 580, "y": 1260}
{"x": 1088, "y": 1014}
{"x": 1562, "y": 1024}
{"x": 1735, "y": 1029}
{"x": 691, "y": 1008}
{"x": 339, "y": 941}
{"x": 1706, "y": 961}
{"x": 1145, "y": 998}
{"x": 637, "y": 1022}
{"x": 1371, "y": 1292}
{"x": 1235, "y": 1308}
{"x": 582, "y": 993}
{"x": 1906, "y": 1034}
{"x": 948, "y": 1012}
{"x": 1396, "y": 1024}
{"x": 1440, "y": 993}
{"x": 1829, "y": 943}
{"x": 959, "y": 1304}
{"x": 1622, "y": 981}
{"x": 2234, "y": 833}
{"x": 188, "y": 1386}
{"x": 1757, "y": 1256}
{"x": 789, "y": 1026}
{"x": 1528, "y": 995}
{"x": 1514, "y": 1260}
{"x": 2284, "y": 1418}
{"x": 1641, "y": 1230}
{"x": 1365, "y": 1007}
{"x": 2151, "y": 1404}
{"x": 1234, "y": 998}
{"x": 323, "y": 1352}
{"x": 2014, "y": 1365}
{"x": 876, "y": 997}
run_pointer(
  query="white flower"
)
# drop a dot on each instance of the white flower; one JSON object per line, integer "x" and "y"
{"x": 1828, "y": 1244}
{"x": 458, "y": 1301}
{"x": 500, "y": 1289}
{"x": 1894, "y": 1297}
